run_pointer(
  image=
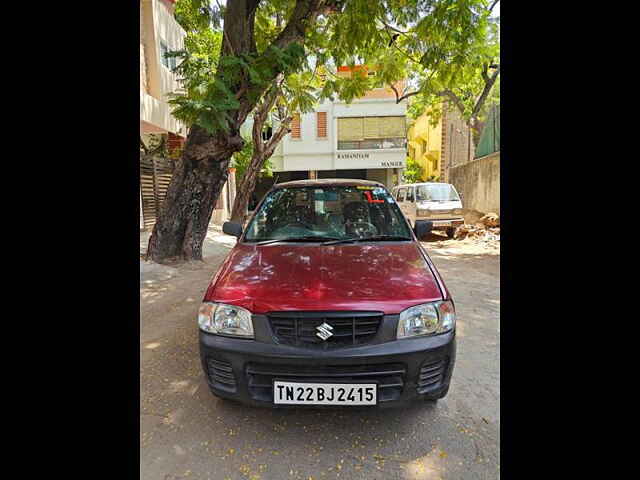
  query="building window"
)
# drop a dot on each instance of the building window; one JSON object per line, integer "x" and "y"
{"x": 371, "y": 133}
{"x": 267, "y": 133}
{"x": 170, "y": 62}
{"x": 321, "y": 118}
{"x": 295, "y": 126}
{"x": 409, "y": 194}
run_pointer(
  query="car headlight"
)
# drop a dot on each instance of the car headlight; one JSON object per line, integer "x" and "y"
{"x": 457, "y": 211}
{"x": 224, "y": 319}
{"x": 427, "y": 319}
{"x": 423, "y": 212}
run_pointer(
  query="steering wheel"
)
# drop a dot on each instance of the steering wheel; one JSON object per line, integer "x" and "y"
{"x": 362, "y": 229}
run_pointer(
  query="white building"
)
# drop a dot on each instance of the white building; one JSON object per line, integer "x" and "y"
{"x": 365, "y": 139}
{"x": 159, "y": 34}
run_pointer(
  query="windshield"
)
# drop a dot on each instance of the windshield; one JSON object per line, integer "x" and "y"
{"x": 436, "y": 193}
{"x": 328, "y": 213}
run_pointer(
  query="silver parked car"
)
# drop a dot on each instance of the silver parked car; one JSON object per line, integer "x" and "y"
{"x": 437, "y": 202}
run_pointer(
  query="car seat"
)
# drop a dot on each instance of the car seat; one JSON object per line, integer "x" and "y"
{"x": 356, "y": 212}
{"x": 335, "y": 223}
{"x": 357, "y": 221}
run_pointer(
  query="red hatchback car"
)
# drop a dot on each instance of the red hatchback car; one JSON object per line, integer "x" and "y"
{"x": 328, "y": 298}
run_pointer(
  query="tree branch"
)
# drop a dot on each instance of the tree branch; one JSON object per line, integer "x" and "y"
{"x": 256, "y": 135}
{"x": 405, "y": 96}
{"x": 304, "y": 13}
{"x": 395, "y": 29}
{"x": 493, "y": 5}
{"x": 393, "y": 44}
{"x": 303, "y": 16}
{"x": 395, "y": 90}
{"x": 272, "y": 143}
{"x": 485, "y": 72}
{"x": 224, "y": 32}
{"x": 252, "y": 6}
{"x": 454, "y": 98}
{"x": 489, "y": 82}
{"x": 260, "y": 116}
{"x": 256, "y": 131}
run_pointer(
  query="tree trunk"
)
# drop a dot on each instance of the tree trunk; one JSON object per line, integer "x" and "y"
{"x": 261, "y": 153}
{"x": 202, "y": 170}
{"x": 200, "y": 174}
{"x": 246, "y": 188}
{"x": 243, "y": 196}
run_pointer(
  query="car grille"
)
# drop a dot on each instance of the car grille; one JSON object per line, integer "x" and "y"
{"x": 390, "y": 377}
{"x": 221, "y": 375}
{"x": 430, "y": 375}
{"x": 300, "y": 328}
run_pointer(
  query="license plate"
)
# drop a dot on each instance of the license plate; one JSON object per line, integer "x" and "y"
{"x": 295, "y": 393}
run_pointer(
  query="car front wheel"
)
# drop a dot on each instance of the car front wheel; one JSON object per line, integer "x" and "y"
{"x": 450, "y": 232}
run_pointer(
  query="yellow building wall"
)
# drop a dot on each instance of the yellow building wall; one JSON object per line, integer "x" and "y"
{"x": 424, "y": 142}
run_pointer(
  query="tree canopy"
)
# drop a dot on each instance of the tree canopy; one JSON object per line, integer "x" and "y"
{"x": 235, "y": 54}
{"x": 414, "y": 172}
{"x": 444, "y": 49}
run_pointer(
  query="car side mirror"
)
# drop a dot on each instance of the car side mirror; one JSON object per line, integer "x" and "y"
{"x": 232, "y": 228}
{"x": 422, "y": 228}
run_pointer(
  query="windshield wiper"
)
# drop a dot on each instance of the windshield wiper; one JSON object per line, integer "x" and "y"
{"x": 306, "y": 238}
{"x": 374, "y": 238}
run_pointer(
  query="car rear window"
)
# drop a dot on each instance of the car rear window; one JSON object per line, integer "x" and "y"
{"x": 442, "y": 192}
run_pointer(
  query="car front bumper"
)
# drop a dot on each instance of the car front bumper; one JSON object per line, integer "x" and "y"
{"x": 405, "y": 370}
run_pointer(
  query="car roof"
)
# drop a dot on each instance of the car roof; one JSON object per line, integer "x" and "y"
{"x": 329, "y": 182}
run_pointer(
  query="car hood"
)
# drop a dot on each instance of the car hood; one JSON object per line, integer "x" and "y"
{"x": 386, "y": 277}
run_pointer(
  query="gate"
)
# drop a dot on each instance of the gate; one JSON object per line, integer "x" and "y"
{"x": 490, "y": 137}
{"x": 155, "y": 175}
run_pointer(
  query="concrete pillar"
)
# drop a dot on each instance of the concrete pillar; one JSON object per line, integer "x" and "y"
{"x": 231, "y": 182}
{"x": 389, "y": 178}
{"x": 220, "y": 214}
{"x": 141, "y": 217}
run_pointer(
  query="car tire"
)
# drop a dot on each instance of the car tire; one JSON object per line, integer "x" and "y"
{"x": 451, "y": 231}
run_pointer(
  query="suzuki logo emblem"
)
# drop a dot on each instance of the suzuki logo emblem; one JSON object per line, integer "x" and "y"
{"x": 324, "y": 331}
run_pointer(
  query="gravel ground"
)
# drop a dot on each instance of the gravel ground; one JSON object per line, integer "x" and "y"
{"x": 188, "y": 433}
